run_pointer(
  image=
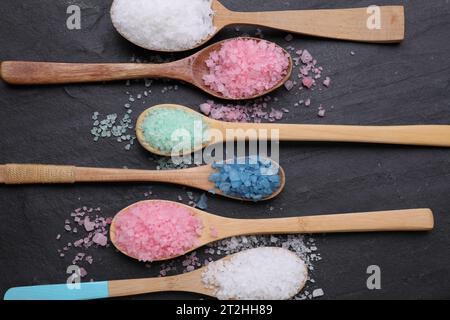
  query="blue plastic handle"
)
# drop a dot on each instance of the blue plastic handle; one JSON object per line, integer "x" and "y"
{"x": 85, "y": 291}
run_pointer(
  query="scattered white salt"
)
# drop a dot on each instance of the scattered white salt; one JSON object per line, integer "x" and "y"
{"x": 317, "y": 293}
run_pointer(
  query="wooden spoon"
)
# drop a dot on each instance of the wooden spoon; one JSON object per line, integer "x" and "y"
{"x": 190, "y": 69}
{"x": 187, "y": 282}
{"x": 196, "y": 177}
{"x": 217, "y": 228}
{"x": 343, "y": 24}
{"x": 420, "y": 135}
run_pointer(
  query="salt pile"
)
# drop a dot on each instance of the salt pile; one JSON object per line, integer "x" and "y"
{"x": 252, "y": 178}
{"x": 243, "y": 68}
{"x": 172, "y": 130}
{"x": 163, "y": 25}
{"x": 258, "y": 274}
{"x": 154, "y": 230}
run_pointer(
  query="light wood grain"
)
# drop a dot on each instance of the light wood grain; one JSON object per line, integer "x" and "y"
{"x": 196, "y": 177}
{"x": 190, "y": 69}
{"x": 187, "y": 282}
{"x": 217, "y": 228}
{"x": 419, "y": 135}
{"x": 343, "y": 24}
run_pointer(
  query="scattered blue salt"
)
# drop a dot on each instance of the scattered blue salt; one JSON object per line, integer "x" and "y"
{"x": 202, "y": 202}
{"x": 254, "y": 179}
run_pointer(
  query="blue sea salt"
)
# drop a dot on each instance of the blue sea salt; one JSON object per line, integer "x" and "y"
{"x": 252, "y": 178}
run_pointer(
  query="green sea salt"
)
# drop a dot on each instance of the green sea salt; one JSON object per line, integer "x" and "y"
{"x": 174, "y": 130}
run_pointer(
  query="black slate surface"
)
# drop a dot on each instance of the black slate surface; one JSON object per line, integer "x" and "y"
{"x": 380, "y": 84}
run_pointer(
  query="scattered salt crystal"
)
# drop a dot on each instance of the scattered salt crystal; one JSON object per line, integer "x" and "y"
{"x": 321, "y": 112}
{"x": 289, "y": 37}
{"x": 317, "y": 293}
{"x": 289, "y": 85}
{"x": 307, "y": 102}
{"x": 308, "y": 82}
{"x": 327, "y": 82}
{"x": 100, "y": 239}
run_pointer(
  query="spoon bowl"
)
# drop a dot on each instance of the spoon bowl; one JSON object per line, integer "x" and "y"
{"x": 216, "y": 228}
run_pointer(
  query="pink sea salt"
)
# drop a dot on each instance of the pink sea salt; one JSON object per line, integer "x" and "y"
{"x": 154, "y": 230}
{"x": 243, "y": 68}
{"x": 308, "y": 82}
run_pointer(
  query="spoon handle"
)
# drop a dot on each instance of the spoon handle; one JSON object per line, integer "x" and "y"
{"x": 398, "y": 220}
{"x": 420, "y": 135}
{"x": 189, "y": 282}
{"x": 358, "y": 24}
{"x": 27, "y": 72}
{"x": 54, "y": 174}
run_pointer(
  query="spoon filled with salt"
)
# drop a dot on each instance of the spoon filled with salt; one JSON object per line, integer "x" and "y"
{"x": 248, "y": 178}
{"x": 177, "y": 25}
{"x": 155, "y": 230}
{"x": 265, "y": 273}
{"x": 233, "y": 69}
{"x": 170, "y": 129}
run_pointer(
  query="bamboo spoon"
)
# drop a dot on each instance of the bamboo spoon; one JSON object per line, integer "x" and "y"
{"x": 400, "y": 220}
{"x": 190, "y": 69}
{"x": 344, "y": 24}
{"x": 196, "y": 177}
{"x": 420, "y": 135}
{"x": 187, "y": 282}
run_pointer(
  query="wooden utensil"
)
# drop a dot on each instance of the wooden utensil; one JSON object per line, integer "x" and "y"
{"x": 343, "y": 24}
{"x": 196, "y": 177}
{"x": 188, "y": 282}
{"x": 400, "y": 220}
{"x": 190, "y": 69}
{"x": 420, "y": 135}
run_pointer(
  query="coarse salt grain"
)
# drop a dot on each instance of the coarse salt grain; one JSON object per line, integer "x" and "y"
{"x": 164, "y": 24}
{"x": 153, "y": 230}
{"x": 264, "y": 273}
{"x": 243, "y": 68}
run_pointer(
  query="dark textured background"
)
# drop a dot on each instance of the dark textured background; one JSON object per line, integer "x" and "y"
{"x": 381, "y": 84}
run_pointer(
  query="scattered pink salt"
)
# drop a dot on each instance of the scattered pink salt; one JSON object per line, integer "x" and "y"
{"x": 100, "y": 239}
{"x": 306, "y": 57}
{"x": 327, "y": 82}
{"x": 153, "y": 230}
{"x": 205, "y": 108}
{"x": 243, "y": 68}
{"x": 88, "y": 225}
{"x": 308, "y": 82}
{"x": 289, "y": 85}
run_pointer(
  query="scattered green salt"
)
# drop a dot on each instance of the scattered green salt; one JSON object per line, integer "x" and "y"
{"x": 170, "y": 130}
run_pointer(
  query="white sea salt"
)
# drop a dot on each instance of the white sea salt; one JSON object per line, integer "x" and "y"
{"x": 265, "y": 273}
{"x": 164, "y": 24}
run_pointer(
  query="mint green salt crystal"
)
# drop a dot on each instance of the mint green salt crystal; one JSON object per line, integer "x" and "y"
{"x": 173, "y": 130}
